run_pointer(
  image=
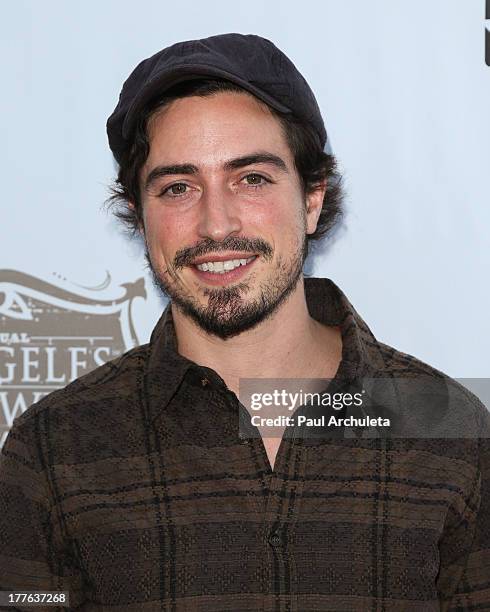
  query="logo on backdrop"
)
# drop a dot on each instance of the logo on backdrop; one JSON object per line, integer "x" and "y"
{"x": 49, "y": 336}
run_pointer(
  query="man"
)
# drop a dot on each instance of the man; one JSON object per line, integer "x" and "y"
{"x": 134, "y": 488}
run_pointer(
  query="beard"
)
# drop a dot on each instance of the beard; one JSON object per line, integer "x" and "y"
{"x": 228, "y": 312}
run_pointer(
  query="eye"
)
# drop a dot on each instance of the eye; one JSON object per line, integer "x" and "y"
{"x": 175, "y": 190}
{"x": 255, "y": 180}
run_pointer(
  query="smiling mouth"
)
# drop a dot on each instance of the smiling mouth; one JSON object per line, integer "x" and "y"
{"x": 222, "y": 267}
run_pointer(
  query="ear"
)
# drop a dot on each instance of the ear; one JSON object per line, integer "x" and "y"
{"x": 314, "y": 204}
{"x": 141, "y": 228}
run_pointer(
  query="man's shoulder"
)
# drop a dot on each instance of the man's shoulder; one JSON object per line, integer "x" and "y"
{"x": 118, "y": 378}
{"x": 398, "y": 363}
{"x": 434, "y": 393}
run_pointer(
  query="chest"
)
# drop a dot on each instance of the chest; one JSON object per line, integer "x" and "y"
{"x": 271, "y": 446}
{"x": 330, "y": 521}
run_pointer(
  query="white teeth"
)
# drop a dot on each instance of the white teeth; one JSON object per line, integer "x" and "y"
{"x": 220, "y": 267}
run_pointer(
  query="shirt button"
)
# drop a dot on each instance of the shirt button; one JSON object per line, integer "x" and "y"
{"x": 274, "y": 539}
{"x": 204, "y": 381}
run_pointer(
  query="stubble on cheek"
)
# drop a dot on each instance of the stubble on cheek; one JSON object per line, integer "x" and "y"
{"x": 165, "y": 269}
{"x": 163, "y": 277}
{"x": 170, "y": 273}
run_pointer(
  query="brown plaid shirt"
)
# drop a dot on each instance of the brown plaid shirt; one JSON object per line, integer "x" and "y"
{"x": 131, "y": 489}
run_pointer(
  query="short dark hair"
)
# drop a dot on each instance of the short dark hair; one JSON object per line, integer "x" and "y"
{"x": 314, "y": 166}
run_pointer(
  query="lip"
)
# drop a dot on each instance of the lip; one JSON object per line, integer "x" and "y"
{"x": 211, "y": 278}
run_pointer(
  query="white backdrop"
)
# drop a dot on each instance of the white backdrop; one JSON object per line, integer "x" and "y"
{"x": 404, "y": 91}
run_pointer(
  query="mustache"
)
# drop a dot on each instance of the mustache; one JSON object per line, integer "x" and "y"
{"x": 185, "y": 256}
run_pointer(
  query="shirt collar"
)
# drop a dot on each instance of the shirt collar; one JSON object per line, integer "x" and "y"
{"x": 361, "y": 354}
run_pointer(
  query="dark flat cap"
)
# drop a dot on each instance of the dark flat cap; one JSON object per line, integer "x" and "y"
{"x": 250, "y": 61}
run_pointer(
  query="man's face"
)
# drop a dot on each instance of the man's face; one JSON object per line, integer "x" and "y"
{"x": 224, "y": 215}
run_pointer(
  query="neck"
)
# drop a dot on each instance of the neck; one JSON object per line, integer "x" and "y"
{"x": 289, "y": 344}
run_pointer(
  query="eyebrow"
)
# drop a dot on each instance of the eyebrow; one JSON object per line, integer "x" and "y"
{"x": 232, "y": 164}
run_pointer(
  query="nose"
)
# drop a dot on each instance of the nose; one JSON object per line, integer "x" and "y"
{"x": 218, "y": 214}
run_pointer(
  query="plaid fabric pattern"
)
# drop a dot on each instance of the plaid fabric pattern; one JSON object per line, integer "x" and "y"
{"x": 131, "y": 489}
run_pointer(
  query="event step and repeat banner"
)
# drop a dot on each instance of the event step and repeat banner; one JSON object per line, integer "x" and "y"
{"x": 51, "y": 336}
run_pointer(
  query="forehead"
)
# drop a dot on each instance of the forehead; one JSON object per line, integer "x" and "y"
{"x": 214, "y": 128}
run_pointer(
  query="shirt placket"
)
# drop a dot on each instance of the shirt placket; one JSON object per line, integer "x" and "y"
{"x": 282, "y": 495}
